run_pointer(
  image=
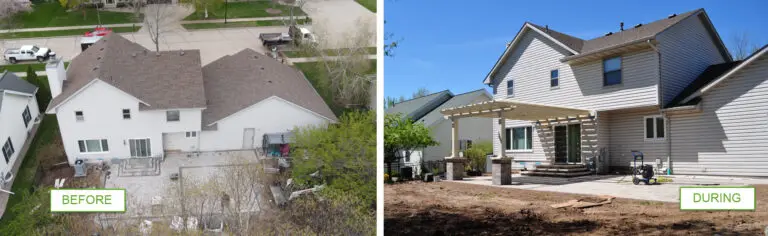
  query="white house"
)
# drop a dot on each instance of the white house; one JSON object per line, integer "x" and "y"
{"x": 667, "y": 88}
{"x": 119, "y": 100}
{"x": 18, "y": 112}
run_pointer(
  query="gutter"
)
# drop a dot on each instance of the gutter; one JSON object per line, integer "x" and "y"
{"x": 570, "y": 58}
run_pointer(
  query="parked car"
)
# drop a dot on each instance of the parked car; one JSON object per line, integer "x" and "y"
{"x": 28, "y": 53}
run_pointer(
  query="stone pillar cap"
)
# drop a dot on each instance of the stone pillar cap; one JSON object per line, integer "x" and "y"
{"x": 456, "y": 159}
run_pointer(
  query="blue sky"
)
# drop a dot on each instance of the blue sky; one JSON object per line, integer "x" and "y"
{"x": 451, "y": 44}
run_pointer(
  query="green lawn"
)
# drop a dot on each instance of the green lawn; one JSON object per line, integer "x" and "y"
{"x": 317, "y": 77}
{"x": 51, "y": 14}
{"x": 240, "y": 24}
{"x": 329, "y": 52}
{"x": 244, "y": 10}
{"x": 24, "y": 180}
{"x": 54, "y": 33}
{"x": 23, "y": 67}
{"x": 370, "y": 4}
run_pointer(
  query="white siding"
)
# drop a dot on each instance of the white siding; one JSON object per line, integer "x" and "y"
{"x": 268, "y": 116}
{"x": 581, "y": 86}
{"x": 12, "y": 125}
{"x": 686, "y": 50}
{"x": 730, "y": 135}
{"x": 475, "y": 129}
{"x": 627, "y": 134}
{"x": 102, "y": 107}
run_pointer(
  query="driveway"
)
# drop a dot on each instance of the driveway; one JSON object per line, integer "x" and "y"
{"x": 336, "y": 20}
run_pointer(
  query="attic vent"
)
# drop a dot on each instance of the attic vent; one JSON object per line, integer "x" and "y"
{"x": 638, "y": 25}
{"x": 671, "y": 16}
{"x": 609, "y": 34}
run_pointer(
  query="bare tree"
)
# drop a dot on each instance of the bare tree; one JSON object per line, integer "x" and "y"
{"x": 421, "y": 92}
{"x": 8, "y": 10}
{"x": 743, "y": 46}
{"x": 155, "y": 17}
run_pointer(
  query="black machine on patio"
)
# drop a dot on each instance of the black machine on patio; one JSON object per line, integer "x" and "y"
{"x": 645, "y": 171}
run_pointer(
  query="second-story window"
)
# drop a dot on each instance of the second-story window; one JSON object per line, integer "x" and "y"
{"x": 26, "y": 116}
{"x": 79, "y": 116}
{"x": 554, "y": 78}
{"x": 510, "y": 88}
{"x": 126, "y": 114}
{"x": 612, "y": 71}
{"x": 172, "y": 115}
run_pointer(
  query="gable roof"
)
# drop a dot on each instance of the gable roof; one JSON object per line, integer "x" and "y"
{"x": 457, "y": 100}
{"x": 9, "y": 81}
{"x": 416, "y": 108}
{"x": 154, "y": 78}
{"x": 235, "y": 82}
{"x": 616, "y": 39}
{"x": 711, "y": 73}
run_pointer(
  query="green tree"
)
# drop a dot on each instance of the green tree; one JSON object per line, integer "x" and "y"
{"x": 477, "y": 154}
{"x": 43, "y": 91}
{"x": 389, "y": 102}
{"x": 402, "y": 136}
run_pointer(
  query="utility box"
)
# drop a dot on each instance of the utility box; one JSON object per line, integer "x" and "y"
{"x": 80, "y": 170}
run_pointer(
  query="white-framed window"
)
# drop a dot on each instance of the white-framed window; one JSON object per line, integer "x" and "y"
{"x": 140, "y": 147}
{"x": 510, "y": 88}
{"x": 655, "y": 127}
{"x": 26, "y": 116}
{"x": 191, "y": 134}
{"x": 519, "y": 139}
{"x": 554, "y": 78}
{"x": 612, "y": 71}
{"x": 172, "y": 115}
{"x": 126, "y": 114}
{"x": 79, "y": 116}
{"x": 8, "y": 150}
{"x": 93, "y": 146}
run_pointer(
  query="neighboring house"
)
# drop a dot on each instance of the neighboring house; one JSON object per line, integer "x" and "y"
{"x": 634, "y": 85}
{"x": 18, "y": 113}
{"x": 119, "y": 100}
{"x": 427, "y": 111}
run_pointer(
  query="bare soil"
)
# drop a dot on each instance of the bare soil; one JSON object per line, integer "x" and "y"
{"x": 449, "y": 208}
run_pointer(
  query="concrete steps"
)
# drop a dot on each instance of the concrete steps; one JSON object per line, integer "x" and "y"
{"x": 559, "y": 170}
{"x": 139, "y": 167}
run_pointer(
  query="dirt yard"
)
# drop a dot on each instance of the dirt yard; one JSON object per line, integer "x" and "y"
{"x": 447, "y": 208}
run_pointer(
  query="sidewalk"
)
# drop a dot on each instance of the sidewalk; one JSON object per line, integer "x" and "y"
{"x": 17, "y": 164}
{"x": 241, "y": 19}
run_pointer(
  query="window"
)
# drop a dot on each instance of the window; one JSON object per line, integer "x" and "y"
{"x": 140, "y": 147}
{"x": 172, "y": 115}
{"x": 655, "y": 127}
{"x": 519, "y": 138}
{"x": 93, "y": 145}
{"x": 612, "y": 71}
{"x": 8, "y": 150}
{"x": 465, "y": 144}
{"x": 79, "y": 116}
{"x": 26, "y": 116}
{"x": 191, "y": 134}
{"x": 510, "y": 88}
{"x": 126, "y": 114}
{"x": 554, "y": 78}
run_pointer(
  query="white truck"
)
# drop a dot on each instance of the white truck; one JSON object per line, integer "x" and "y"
{"x": 28, "y": 53}
{"x": 295, "y": 35}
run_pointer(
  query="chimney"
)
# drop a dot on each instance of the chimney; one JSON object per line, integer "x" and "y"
{"x": 621, "y": 26}
{"x": 56, "y": 76}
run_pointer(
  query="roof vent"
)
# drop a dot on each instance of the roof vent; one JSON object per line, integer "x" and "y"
{"x": 133, "y": 54}
{"x": 546, "y": 28}
{"x": 98, "y": 58}
{"x": 157, "y": 54}
{"x": 671, "y": 16}
{"x": 621, "y": 26}
{"x": 262, "y": 68}
{"x": 638, "y": 25}
{"x": 269, "y": 81}
{"x": 95, "y": 68}
{"x": 181, "y": 53}
{"x": 609, "y": 34}
{"x": 101, "y": 49}
{"x": 255, "y": 57}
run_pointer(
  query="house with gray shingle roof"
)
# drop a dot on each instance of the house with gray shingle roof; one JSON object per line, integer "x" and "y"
{"x": 119, "y": 100}
{"x": 18, "y": 113}
{"x": 667, "y": 88}
{"x": 426, "y": 110}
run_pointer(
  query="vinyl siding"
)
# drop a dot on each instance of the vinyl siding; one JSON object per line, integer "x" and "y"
{"x": 627, "y": 133}
{"x": 580, "y": 86}
{"x": 687, "y": 49}
{"x": 475, "y": 129}
{"x": 12, "y": 126}
{"x": 730, "y": 135}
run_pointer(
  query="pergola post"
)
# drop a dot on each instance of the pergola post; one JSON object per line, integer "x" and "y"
{"x": 502, "y": 137}
{"x": 501, "y": 166}
{"x": 454, "y": 165}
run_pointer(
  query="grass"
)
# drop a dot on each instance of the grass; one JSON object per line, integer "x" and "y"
{"x": 51, "y": 14}
{"x": 329, "y": 52}
{"x": 319, "y": 80}
{"x": 370, "y": 4}
{"x": 24, "y": 180}
{"x": 23, "y": 67}
{"x": 243, "y": 10}
{"x": 55, "y": 33}
{"x": 261, "y": 23}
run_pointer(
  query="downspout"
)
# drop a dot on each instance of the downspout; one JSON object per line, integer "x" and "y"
{"x": 663, "y": 113}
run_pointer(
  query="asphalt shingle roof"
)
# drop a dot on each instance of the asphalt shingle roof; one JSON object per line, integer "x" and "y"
{"x": 412, "y": 108}
{"x": 572, "y": 42}
{"x": 9, "y": 81}
{"x": 710, "y": 74}
{"x": 457, "y": 100}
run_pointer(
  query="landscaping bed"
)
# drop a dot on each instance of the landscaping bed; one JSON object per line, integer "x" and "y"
{"x": 55, "y": 33}
{"x": 253, "y": 9}
{"x": 51, "y": 14}
{"x": 241, "y": 24}
{"x": 450, "y": 208}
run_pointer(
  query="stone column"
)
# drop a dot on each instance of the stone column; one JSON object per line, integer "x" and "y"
{"x": 502, "y": 171}
{"x": 454, "y": 168}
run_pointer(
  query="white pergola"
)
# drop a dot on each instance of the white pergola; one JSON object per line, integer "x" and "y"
{"x": 504, "y": 110}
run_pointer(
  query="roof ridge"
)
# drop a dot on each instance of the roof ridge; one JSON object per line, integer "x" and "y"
{"x": 464, "y": 93}
{"x": 411, "y": 99}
